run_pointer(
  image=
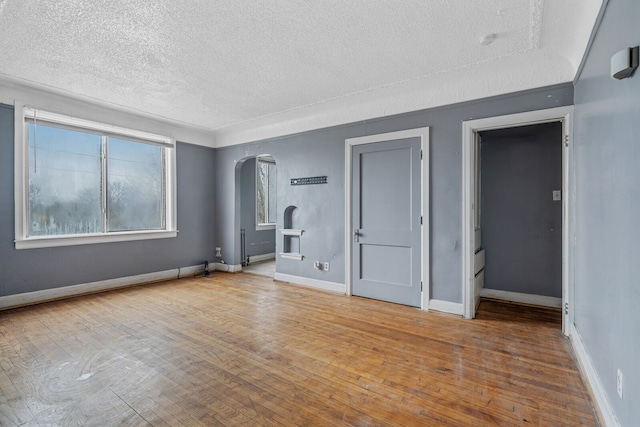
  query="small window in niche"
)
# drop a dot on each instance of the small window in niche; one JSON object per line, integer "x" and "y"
{"x": 265, "y": 192}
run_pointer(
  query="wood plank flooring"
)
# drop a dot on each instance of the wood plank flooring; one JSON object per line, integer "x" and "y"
{"x": 241, "y": 350}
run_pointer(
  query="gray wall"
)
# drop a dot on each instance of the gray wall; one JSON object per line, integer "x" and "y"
{"x": 256, "y": 242}
{"x": 607, "y": 175}
{"x": 322, "y": 208}
{"x": 521, "y": 224}
{"x": 36, "y": 269}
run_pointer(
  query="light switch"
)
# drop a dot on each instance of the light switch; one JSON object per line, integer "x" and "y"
{"x": 557, "y": 195}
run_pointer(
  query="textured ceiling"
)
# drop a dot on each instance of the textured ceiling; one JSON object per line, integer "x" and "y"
{"x": 250, "y": 69}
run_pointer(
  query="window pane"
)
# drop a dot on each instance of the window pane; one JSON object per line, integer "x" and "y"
{"x": 272, "y": 193}
{"x": 261, "y": 191}
{"x": 64, "y": 181}
{"x": 135, "y": 186}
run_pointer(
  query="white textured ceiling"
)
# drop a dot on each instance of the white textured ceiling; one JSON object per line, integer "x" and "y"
{"x": 246, "y": 70}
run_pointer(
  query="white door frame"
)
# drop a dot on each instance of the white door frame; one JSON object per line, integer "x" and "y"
{"x": 423, "y": 134}
{"x": 469, "y": 129}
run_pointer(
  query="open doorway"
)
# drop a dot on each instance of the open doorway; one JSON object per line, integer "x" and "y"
{"x": 258, "y": 215}
{"x": 519, "y": 205}
{"x": 473, "y": 256}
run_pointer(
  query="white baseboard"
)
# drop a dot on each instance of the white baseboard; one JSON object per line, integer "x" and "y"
{"x": 190, "y": 271}
{"x": 540, "y": 300}
{"x": 263, "y": 257}
{"x": 446, "y": 307}
{"x": 228, "y": 268}
{"x": 28, "y": 298}
{"x": 313, "y": 283}
{"x": 608, "y": 416}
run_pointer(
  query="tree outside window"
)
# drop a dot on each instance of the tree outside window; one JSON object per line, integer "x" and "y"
{"x": 87, "y": 182}
{"x": 265, "y": 191}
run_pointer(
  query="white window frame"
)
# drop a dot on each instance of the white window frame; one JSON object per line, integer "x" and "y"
{"x": 268, "y": 225}
{"x": 21, "y": 173}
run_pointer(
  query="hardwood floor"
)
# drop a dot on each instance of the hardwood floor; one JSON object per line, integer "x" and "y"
{"x": 242, "y": 350}
{"x": 261, "y": 268}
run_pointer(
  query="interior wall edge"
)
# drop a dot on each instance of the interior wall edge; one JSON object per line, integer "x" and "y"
{"x": 594, "y": 31}
{"x": 601, "y": 403}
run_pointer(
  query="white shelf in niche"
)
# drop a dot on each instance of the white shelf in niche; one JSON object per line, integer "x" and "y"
{"x": 290, "y": 255}
{"x": 291, "y": 232}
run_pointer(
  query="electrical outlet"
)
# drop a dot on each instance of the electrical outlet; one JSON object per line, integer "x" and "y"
{"x": 218, "y": 252}
{"x": 619, "y": 383}
{"x": 326, "y": 266}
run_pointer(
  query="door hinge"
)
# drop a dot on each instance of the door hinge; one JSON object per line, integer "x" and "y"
{"x": 566, "y": 140}
{"x": 420, "y": 154}
{"x": 421, "y": 286}
{"x": 420, "y": 219}
{"x": 566, "y": 308}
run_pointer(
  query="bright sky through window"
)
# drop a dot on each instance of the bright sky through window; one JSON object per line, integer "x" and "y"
{"x": 87, "y": 182}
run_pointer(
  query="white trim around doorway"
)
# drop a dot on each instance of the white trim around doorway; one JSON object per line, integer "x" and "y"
{"x": 423, "y": 134}
{"x": 469, "y": 130}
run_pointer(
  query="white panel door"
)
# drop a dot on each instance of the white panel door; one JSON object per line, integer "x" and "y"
{"x": 386, "y": 197}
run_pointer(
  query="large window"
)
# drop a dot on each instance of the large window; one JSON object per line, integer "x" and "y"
{"x": 83, "y": 182}
{"x": 265, "y": 193}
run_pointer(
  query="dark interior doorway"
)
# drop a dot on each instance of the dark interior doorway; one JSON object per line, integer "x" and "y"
{"x": 521, "y": 209}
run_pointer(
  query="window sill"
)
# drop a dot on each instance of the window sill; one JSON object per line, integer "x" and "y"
{"x": 53, "y": 241}
{"x": 262, "y": 227}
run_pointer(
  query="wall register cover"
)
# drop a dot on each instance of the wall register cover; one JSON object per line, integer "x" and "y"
{"x": 309, "y": 181}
